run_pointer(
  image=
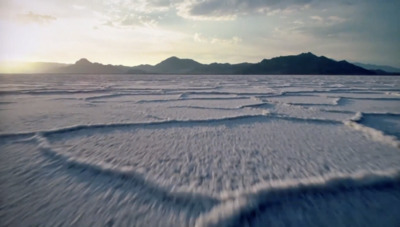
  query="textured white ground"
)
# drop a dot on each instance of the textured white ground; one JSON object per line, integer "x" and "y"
{"x": 167, "y": 150}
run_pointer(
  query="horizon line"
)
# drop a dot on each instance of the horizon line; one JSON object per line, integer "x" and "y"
{"x": 186, "y": 58}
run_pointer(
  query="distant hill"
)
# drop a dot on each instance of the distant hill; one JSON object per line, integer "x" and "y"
{"x": 176, "y": 65}
{"x": 302, "y": 64}
{"x": 84, "y": 66}
{"x": 385, "y": 68}
{"x": 172, "y": 65}
{"x": 306, "y": 63}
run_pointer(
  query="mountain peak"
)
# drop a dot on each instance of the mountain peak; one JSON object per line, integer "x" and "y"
{"x": 308, "y": 54}
{"x": 83, "y": 61}
{"x": 178, "y": 61}
{"x": 172, "y": 58}
{"x": 175, "y": 64}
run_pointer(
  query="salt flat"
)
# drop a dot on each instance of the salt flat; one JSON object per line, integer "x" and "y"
{"x": 175, "y": 150}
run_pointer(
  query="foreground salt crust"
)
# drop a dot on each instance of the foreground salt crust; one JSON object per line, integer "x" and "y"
{"x": 104, "y": 150}
{"x": 372, "y": 133}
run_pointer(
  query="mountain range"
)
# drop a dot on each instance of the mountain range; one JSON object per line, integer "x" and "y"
{"x": 386, "y": 68}
{"x": 304, "y": 64}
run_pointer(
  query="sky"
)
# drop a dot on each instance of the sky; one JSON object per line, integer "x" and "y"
{"x": 132, "y": 32}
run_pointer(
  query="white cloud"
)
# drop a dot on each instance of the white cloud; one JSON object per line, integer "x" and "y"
{"x": 198, "y": 37}
{"x": 317, "y": 18}
{"x": 231, "y": 9}
{"x": 185, "y": 8}
{"x": 328, "y": 20}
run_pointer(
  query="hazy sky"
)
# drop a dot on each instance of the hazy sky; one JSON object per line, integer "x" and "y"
{"x": 132, "y": 32}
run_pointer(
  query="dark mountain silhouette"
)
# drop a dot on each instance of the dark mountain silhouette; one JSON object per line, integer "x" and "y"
{"x": 85, "y": 66}
{"x": 222, "y": 68}
{"x": 145, "y": 69}
{"x": 304, "y": 64}
{"x": 176, "y": 65}
{"x": 172, "y": 65}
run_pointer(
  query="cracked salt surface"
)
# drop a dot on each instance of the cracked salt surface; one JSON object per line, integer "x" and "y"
{"x": 165, "y": 150}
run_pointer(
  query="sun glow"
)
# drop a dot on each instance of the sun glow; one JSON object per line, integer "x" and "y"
{"x": 18, "y": 67}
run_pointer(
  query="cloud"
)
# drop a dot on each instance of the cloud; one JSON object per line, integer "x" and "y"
{"x": 327, "y": 20}
{"x": 199, "y": 38}
{"x": 130, "y": 13}
{"x": 230, "y": 9}
{"x": 132, "y": 19}
{"x": 369, "y": 20}
{"x": 36, "y": 18}
{"x": 160, "y": 3}
{"x": 317, "y": 18}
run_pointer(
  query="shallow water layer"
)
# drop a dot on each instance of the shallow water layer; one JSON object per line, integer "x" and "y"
{"x": 175, "y": 150}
